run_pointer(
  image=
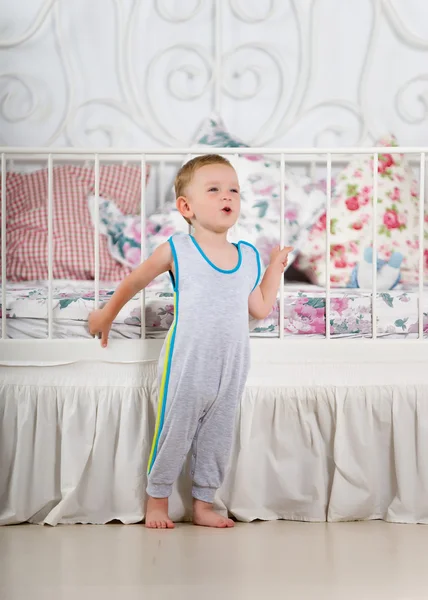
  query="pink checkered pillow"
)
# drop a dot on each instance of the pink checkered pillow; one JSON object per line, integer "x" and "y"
{"x": 73, "y": 232}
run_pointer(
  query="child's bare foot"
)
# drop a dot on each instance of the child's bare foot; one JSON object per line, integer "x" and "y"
{"x": 204, "y": 515}
{"x": 157, "y": 514}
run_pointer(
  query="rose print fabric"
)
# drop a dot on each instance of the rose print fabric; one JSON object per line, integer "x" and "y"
{"x": 124, "y": 234}
{"x": 352, "y": 214}
{"x": 304, "y": 312}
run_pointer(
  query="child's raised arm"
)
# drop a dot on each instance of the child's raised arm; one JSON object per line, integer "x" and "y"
{"x": 262, "y": 299}
{"x": 100, "y": 321}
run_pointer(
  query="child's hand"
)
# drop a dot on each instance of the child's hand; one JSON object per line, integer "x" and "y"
{"x": 99, "y": 324}
{"x": 279, "y": 258}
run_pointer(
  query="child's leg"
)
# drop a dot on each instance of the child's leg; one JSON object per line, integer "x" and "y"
{"x": 169, "y": 452}
{"x": 172, "y": 448}
{"x": 210, "y": 457}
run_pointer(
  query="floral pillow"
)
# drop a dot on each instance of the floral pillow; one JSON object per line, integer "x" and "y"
{"x": 259, "y": 177}
{"x": 213, "y": 133}
{"x": 123, "y": 233}
{"x": 351, "y": 220}
{"x": 260, "y": 205}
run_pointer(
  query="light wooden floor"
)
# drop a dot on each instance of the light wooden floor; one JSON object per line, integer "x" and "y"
{"x": 279, "y": 560}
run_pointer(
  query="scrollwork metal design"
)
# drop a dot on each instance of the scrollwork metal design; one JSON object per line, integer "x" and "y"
{"x": 190, "y": 69}
{"x": 165, "y": 13}
{"x": 422, "y": 98}
{"x": 243, "y": 15}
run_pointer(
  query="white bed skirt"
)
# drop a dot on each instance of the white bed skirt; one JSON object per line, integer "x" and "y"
{"x": 75, "y": 440}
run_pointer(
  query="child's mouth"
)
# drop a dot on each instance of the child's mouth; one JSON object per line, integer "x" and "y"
{"x": 227, "y": 210}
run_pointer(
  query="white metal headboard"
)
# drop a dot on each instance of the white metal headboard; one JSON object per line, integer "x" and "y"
{"x": 281, "y": 72}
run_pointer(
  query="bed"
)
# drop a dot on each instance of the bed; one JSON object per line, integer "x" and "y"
{"x": 304, "y": 312}
{"x": 333, "y": 422}
{"x": 332, "y": 425}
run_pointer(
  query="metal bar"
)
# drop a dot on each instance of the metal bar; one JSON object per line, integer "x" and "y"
{"x": 133, "y": 152}
{"x": 281, "y": 245}
{"x": 143, "y": 243}
{"x": 235, "y": 158}
{"x": 97, "y": 231}
{"x": 50, "y": 246}
{"x": 169, "y": 157}
{"x": 217, "y": 56}
{"x": 421, "y": 244}
{"x": 374, "y": 265}
{"x": 189, "y": 158}
{"x": 161, "y": 182}
{"x": 83, "y": 159}
{"x": 327, "y": 250}
{"x": 3, "y": 245}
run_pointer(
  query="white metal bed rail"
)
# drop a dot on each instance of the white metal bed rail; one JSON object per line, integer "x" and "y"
{"x": 325, "y": 155}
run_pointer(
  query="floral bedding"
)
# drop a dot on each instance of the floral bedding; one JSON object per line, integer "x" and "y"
{"x": 350, "y": 313}
{"x": 304, "y": 312}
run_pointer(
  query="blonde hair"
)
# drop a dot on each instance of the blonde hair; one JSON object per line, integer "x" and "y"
{"x": 188, "y": 170}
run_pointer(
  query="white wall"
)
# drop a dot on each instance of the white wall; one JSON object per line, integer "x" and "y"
{"x": 142, "y": 73}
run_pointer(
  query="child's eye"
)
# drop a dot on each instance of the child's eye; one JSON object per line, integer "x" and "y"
{"x": 213, "y": 189}
{"x": 235, "y": 191}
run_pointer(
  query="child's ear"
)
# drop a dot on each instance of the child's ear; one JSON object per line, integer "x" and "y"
{"x": 183, "y": 207}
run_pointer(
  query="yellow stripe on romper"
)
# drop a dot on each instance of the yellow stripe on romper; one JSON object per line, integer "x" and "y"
{"x": 162, "y": 394}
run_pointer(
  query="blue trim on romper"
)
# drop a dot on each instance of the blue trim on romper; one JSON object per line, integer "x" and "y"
{"x": 175, "y": 281}
{"x": 259, "y": 266}
{"x": 227, "y": 271}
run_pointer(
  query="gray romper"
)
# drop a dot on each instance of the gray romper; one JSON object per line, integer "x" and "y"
{"x": 202, "y": 368}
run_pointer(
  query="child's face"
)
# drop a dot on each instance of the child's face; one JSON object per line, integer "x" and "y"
{"x": 212, "y": 198}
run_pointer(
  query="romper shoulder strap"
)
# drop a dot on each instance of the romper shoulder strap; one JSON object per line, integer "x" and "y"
{"x": 251, "y": 262}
